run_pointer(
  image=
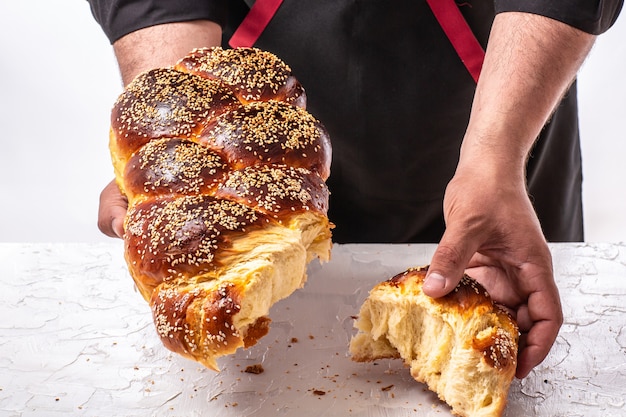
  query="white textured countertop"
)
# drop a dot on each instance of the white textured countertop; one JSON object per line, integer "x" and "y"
{"x": 76, "y": 339}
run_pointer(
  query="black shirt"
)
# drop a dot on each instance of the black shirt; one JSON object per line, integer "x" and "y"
{"x": 395, "y": 98}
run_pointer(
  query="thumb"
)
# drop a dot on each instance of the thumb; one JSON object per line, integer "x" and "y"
{"x": 448, "y": 265}
{"x": 112, "y": 210}
{"x": 117, "y": 223}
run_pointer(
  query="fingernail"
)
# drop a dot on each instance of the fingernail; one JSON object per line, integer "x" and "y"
{"x": 434, "y": 281}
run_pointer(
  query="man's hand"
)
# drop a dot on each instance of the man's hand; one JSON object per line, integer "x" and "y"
{"x": 494, "y": 232}
{"x": 491, "y": 227}
{"x": 112, "y": 210}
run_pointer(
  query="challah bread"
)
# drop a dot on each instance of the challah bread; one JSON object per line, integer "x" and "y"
{"x": 224, "y": 212}
{"x": 463, "y": 345}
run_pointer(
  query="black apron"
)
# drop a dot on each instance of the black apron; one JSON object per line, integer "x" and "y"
{"x": 389, "y": 86}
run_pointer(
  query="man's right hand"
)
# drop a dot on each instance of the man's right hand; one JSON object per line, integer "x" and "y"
{"x": 112, "y": 210}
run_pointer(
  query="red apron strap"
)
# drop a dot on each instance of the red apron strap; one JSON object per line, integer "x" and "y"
{"x": 460, "y": 34}
{"x": 446, "y": 11}
{"x": 254, "y": 23}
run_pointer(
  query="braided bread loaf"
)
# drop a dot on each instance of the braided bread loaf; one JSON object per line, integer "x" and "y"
{"x": 224, "y": 171}
{"x": 463, "y": 345}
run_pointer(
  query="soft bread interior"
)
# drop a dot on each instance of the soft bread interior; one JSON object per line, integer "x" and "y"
{"x": 272, "y": 263}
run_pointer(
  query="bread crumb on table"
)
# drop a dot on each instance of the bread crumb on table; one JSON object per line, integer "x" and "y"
{"x": 255, "y": 369}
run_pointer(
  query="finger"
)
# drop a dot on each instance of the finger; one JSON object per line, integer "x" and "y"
{"x": 112, "y": 210}
{"x": 117, "y": 222}
{"x": 546, "y": 317}
{"x": 536, "y": 347}
{"x": 522, "y": 317}
{"x": 448, "y": 264}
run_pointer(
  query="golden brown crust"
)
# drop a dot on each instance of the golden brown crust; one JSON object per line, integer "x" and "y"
{"x": 173, "y": 166}
{"x": 250, "y": 73}
{"x": 165, "y": 103}
{"x": 276, "y": 190}
{"x": 177, "y": 309}
{"x": 215, "y": 234}
{"x": 271, "y": 133}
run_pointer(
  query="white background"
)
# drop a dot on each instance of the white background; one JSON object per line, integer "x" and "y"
{"x": 59, "y": 79}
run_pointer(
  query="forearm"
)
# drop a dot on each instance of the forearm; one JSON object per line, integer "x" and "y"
{"x": 162, "y": 45}
{"x": 530, "y": 62}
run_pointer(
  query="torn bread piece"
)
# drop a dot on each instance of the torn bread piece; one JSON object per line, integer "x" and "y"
{"x": 463, "y": 345}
